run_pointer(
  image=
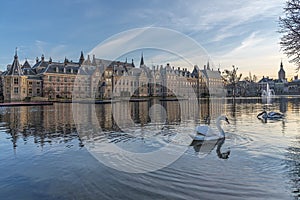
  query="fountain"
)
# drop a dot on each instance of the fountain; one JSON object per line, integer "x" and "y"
{"x": 268, "y": 93}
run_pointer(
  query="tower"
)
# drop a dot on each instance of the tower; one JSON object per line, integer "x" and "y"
{"x": 81, "y": 59}
{"x": 208, "y": 67}
{"x": 281, "y": 72}
{"x": 14, "y": 88}
{"x": 142, "y": 60}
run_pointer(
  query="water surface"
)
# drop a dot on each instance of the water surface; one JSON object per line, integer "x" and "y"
{"x": 43, "y": 157}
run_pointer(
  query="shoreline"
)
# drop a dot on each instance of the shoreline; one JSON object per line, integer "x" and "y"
{"x": 109, "y": 101}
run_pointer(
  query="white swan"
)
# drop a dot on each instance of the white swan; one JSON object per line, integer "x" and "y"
{"x": 207, "y": 133}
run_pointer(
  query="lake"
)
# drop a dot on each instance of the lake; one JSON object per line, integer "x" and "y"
{"x": 145, "y": 150}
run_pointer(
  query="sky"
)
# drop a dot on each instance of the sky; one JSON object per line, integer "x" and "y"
{"x": 242, "y": 33}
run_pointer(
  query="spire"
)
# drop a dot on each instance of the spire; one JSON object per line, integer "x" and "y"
{"x": 66, "y": 61}
{"x": 132, "y": 63}
{"x": 208, "y": 68}
{"x": 142, "y": 60}
{"x": 81, "y": 59}
{"x": 50, "y": 60}
{"x": 281, "y": 72}
{"x": 15, "y": 67}
{"x": 43, "y": 57}
{"x": 126, "y": 61}
{"x": 16, "y": 53}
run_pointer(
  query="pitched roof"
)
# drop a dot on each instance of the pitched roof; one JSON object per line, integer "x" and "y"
{"x": 61, "y": 69}
{"x": 211, "y": 74}
{"x": 28, "y": 71}
{"x": 15, "y": 67}
{"x": 26, "y": 65}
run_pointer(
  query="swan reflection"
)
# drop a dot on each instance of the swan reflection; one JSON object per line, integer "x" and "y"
{"x": 206, "y": 146}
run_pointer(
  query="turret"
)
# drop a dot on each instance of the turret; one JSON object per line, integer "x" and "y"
{"x": 142, "y": 60}
{"x": 81, "y": 59}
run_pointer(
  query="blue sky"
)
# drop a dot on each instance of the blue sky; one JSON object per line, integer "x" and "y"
{"x": 242, "y": 33}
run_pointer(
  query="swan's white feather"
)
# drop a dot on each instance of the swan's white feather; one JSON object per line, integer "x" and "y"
{"x": 207, "y": 133}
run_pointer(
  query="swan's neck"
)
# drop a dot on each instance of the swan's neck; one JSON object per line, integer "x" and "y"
{"x": 221, "y": 131}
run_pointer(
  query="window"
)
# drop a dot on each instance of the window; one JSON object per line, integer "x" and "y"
{"x": 57, "y": 89}
{"x": 38, "y": 83}
{"x": 30, "y": 90}
{"x": 30, "y": 83}
{"x": 16, "y": 90}
{"x": 38, "y": 90}
{"x": 66, "y": 79}
{"x": 16, "y": 81}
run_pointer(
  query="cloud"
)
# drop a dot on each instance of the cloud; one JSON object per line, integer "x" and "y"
{"x": 258, "y": 53}
{"x": 41, "y": 45}
{"x": 166, "y": 46}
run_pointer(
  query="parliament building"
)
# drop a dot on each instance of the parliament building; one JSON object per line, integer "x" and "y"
{"x": 103, "y": 79}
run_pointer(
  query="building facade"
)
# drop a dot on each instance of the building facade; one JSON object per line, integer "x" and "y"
{"x": 103, "y": 79}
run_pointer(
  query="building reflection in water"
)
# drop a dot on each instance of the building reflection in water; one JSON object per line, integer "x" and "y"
{"x": 48, "y": 123}
{"x": 57, "y": 122}
{"x": 44, "y": 123}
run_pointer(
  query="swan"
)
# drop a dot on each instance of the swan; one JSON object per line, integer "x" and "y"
{"x": 270, "y": 115}
{"x": 207, "y": 133}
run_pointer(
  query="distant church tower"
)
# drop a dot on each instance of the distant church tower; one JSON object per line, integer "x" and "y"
{"x": 281, "y": 73}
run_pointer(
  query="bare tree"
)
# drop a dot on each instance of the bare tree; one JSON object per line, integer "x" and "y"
{"x": 251, "y": 78}
{"x": 290, "y": 28}
{"x": 232, "y": 78}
